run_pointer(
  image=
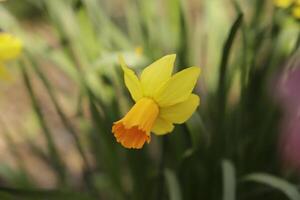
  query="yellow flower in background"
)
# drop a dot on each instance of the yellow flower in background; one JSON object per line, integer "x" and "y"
{"x": 296, "y": 9}
{"x": 138, "y": 50}
{"x": 10, "y": 48}
{"x": 161, "y": 100}
{"x": 283, "y": 3}
{"x": 294, "y": 4}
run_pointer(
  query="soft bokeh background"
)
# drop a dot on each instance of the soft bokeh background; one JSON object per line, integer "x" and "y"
{"x": 66, "y": 89}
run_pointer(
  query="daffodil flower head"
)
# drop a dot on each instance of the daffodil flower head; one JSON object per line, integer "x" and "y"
{"x": 293, "y": 5}
{"x": 296, "y": 10}
{"x": 161, "y": 100}
{"x": 10, "y": 48}
{"x": 138, "y": 50}
{"x": 283, "y": 3}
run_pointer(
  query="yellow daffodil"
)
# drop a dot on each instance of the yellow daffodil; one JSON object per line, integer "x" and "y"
{"x": 296, "y": 9}
{"x": 283, "y": 3}
{"x": 10, "y": 48}
{"x": 161, "y": 100}
{"x": 294, "y": 5}
{"x": 138, "y": 50}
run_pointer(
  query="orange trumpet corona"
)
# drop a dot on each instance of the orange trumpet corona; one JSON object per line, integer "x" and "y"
{"x": 133, "y": 130}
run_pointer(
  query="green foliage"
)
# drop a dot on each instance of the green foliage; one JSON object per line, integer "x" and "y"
{"x": 215, "y": 155}
{"x": 288, "y": 189}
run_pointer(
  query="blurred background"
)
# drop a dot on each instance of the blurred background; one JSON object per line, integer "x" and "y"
{"x": 65, "y": 90}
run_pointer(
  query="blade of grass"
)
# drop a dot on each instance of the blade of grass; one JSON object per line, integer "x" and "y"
{"x": 161, "y": 166}
{"x": 44, "y": 194}
{"x": 103, "y": 144}
{"x": 55, "y": 157}
{"x": 65, "y": 121}
{"x": 105, "y": 26}
{"x": 220, "y": 148}
{"x": 197, "y": 130}
{"x": 224, "y": 63}
{"x": 173, "y": 185}
{"x": 229, "y": 184}
{"x": 67, "y": 124}
{"x": 287, "y": 188}
{"x": 173, "y": 15}
{"x": 133, "y": 23}
{"x": 13, "y": 147}
{"x": 37, "y": 151}
{"x": 183, "y": 44}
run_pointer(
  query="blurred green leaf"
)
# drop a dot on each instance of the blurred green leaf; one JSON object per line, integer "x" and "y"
{"x": 229, "y": 185}
{"x": 196, "y": 129}
{"x": 282, "y": 185}
{"x": 90, "y": 43}
{"x": 227, "y": 48}
{"x": 58, "y": 165}
{"x": 5, "y": 196}
{"x": 43, "y": 194}
{"x": 59, "y": 59}
{"x": 103, "y": 145}
{"x": 106, "y": 28}
{"x": 15, "y": 176}
{"x": 133, "y": 23}
{"x": 65, "y": 121}
{"x": 172, "y": 185}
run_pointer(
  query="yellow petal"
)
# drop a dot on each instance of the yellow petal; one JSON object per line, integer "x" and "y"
{"x": 180, "y": 112}
{"x": 10, "y": 46}
{"x": 162, "y": 127}
{"x": 131, "y": 81}
{"x": 178, "y": 88}
{"x": 156, "y": 74}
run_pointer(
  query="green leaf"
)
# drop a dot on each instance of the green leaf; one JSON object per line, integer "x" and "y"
{"x": 13, "y": 193}
{"x": 172, "y": 185}
{"x": 287, "y": 188}
{"x": 103, "y": 144}
{"x": 229, "y": 182}
{"x": 58, "y": 164}
{"x": 5, "y": 196}
{"x": 224, "y": 63}
{"x": 63, "y": 117}
{"x": 196, "y": 128}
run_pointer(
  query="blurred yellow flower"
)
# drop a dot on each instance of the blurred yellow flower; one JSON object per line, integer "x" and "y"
{"x": 296, "y": 10}
{"x": 283, "y": 3}
{"x": 10, "y": 48}
{"x": 294, "y": 4}
{"x": 138, "y": 50}
{"x": 161, "y": 101}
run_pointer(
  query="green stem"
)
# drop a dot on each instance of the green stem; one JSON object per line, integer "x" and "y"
{"x": 224, "y": 62}
{"x": 13, "y": 147}
{"x": 220, "y": 137}
{"x": 160, "y": 182}
{"x": 57, "y": 162}
{"x": 65, "y": 121}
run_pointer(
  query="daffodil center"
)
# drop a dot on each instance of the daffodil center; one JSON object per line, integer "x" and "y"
{"x": 143, "y": 114}
{"x": 133, "y": 130}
